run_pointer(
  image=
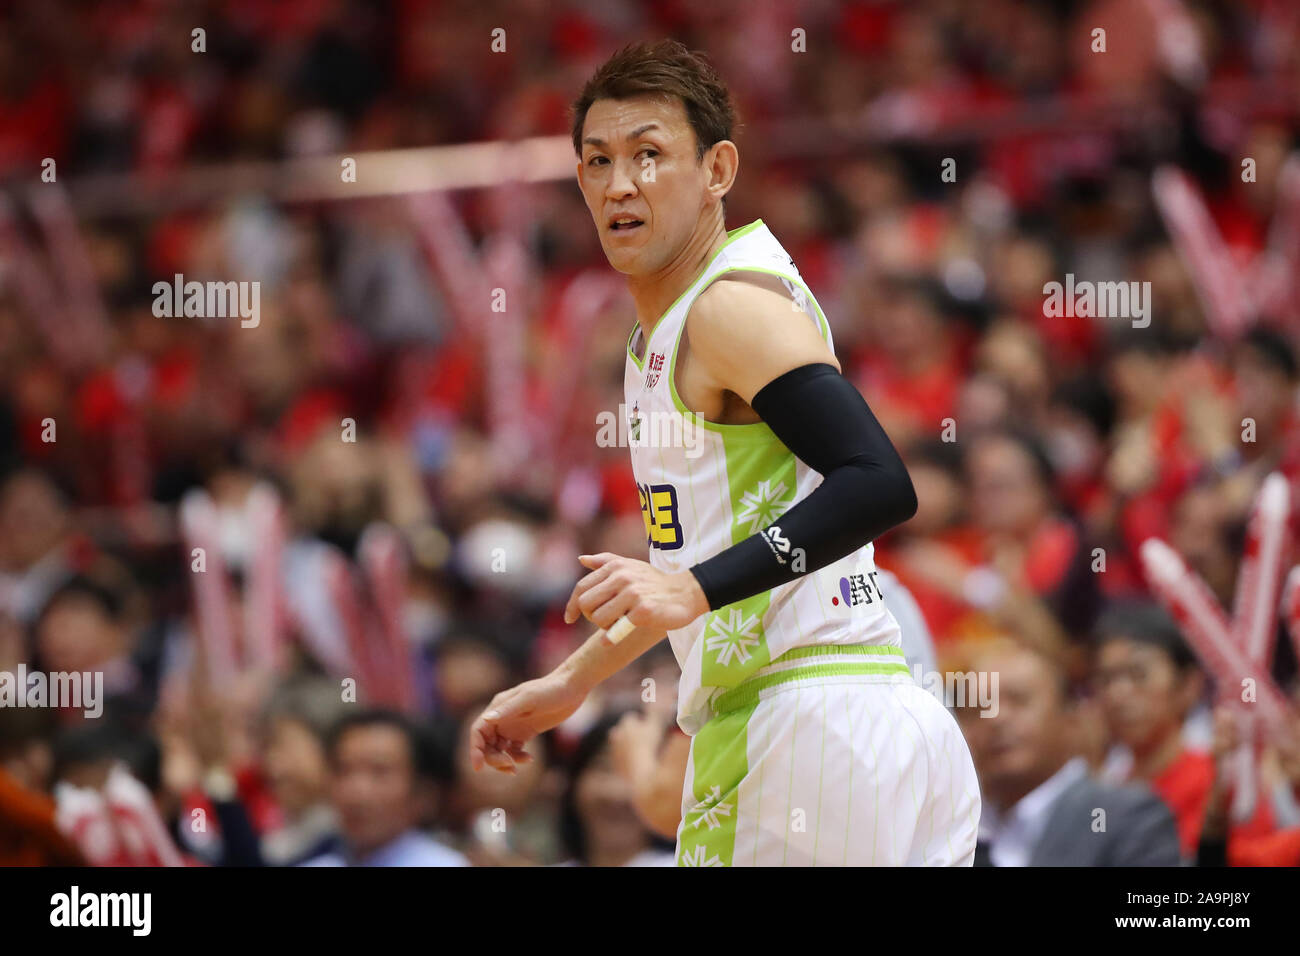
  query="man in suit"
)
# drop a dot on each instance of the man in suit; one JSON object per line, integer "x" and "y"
{"x": 1042, "y": 807}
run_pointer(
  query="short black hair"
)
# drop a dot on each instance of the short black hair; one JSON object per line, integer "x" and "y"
{"x": 1088, "y": 395}
{"x": 1274, "y": 350}
{"x": 1044, "y": 470}
{"x": 662, "y": 67}
{"x": 307, "y": 699}
{"x": 1143, "y": 622}
{"x": 417, "y": 743}
{"x": 942, "y": 455}
{"x": 20, "y": 727}
{"x": 81, "y": 587}
{"x": 96, "y": 741}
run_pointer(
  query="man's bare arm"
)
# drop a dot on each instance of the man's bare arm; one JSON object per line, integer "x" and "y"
{"x": 751, "y": 342}
{"x": 777, "y": 336}
{"x": 597, "y": 659}
{"x": 519, "y": 714}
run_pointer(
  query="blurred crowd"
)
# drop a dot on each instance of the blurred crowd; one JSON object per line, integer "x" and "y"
{"x": 1044, "y": 450}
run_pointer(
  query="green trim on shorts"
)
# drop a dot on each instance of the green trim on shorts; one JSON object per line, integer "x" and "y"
{"x": 823, "y": 650}
{"x": 747, "y": 693}
{"x": 706, "y": 835}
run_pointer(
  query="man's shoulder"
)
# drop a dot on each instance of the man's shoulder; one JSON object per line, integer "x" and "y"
{"x": 755, "y": 309}
{"x": 1095, "y": 823}
{"x": 1112, "y": 797}
{"x": 738, "y": 293}
{"x": 411, "y": 849}
{"x": 1123, "y": 810}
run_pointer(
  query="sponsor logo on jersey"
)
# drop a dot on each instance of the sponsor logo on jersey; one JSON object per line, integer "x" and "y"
{"x": 655, "y": 369}
{"x": 856, "y": 589}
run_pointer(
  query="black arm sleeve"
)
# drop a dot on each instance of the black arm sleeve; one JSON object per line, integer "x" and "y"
{"x": 865, "y": 489}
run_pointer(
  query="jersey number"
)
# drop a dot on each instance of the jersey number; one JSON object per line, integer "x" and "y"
{"x": 659, "y": 512}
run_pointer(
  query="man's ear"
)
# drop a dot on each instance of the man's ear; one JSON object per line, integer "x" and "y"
{"x": 723, "y": 162}
{"x": 428, "y": 800}
{"x": 1084, "y": 728}
{"x": 1190, "y": 688}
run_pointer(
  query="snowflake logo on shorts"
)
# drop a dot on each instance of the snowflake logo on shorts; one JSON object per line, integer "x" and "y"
{"x": 710, "y": 808}
{"x": 732, "y": 640}
{"x": 697, "y": 857}
{"x": 762, "y": 506}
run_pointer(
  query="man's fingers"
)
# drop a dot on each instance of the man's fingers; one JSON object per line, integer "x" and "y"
{"x": 486, "y": 739}
{"x": 597, "y": 595}
{"x": 491, "y": 744}
{"x": 572, "y": 610}
{"x": 518, "y": 753}
{"x": 500, "y": 760}
{"x": 608, "y": 613}
{"x": 490, "y": 751}
{"x": 478, "y": 744}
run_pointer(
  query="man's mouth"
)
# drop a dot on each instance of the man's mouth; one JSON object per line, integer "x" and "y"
{"x": 625, "y": 223}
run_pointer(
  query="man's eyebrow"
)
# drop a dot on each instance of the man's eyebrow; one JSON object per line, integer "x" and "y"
{"x": 635, "y": 134}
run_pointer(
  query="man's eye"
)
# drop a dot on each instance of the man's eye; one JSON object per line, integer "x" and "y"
{"x": 651, "y": 152}
{"x": 595, "y": 160}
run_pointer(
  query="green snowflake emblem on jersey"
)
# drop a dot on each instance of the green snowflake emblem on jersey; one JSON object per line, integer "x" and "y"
{"x": 733, "y": 639}
{"x": 710, "y": 808}
{"x": 762, "y": 506}
{"x": 699, "y": 857}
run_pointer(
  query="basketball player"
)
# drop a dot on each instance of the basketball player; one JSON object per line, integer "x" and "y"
{"x": 811, "y": 743}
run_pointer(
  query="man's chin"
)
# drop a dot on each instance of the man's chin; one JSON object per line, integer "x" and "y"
{"x": 1011, "y": 767}
{"x": 620, "y": 260}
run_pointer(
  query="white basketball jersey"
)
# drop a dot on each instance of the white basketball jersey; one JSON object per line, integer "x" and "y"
{"x": 706, "y": 486}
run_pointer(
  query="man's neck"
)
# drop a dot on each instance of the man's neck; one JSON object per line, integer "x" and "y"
{"x": 653, "y": 294}
{"x": 1006, "y": 797}
{"x": 1147, "y": 766}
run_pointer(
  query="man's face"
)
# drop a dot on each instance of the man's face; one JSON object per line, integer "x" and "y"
{"x": 295, "y": 766}
{"x": 638, "y": 159}
{"x": 1025, "y": 743}
{"x": 1142, "y": 693}
{"x": 76, "y": 635}
{"x": 1004, "y": 490}
{"x": 374, "y": 786}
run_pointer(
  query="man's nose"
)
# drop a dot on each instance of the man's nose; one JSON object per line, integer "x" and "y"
{"x": 623, "y": 181}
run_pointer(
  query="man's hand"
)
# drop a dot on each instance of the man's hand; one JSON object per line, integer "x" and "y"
{"x": 650, "y": 598}
{"x": 518, "y": 715}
